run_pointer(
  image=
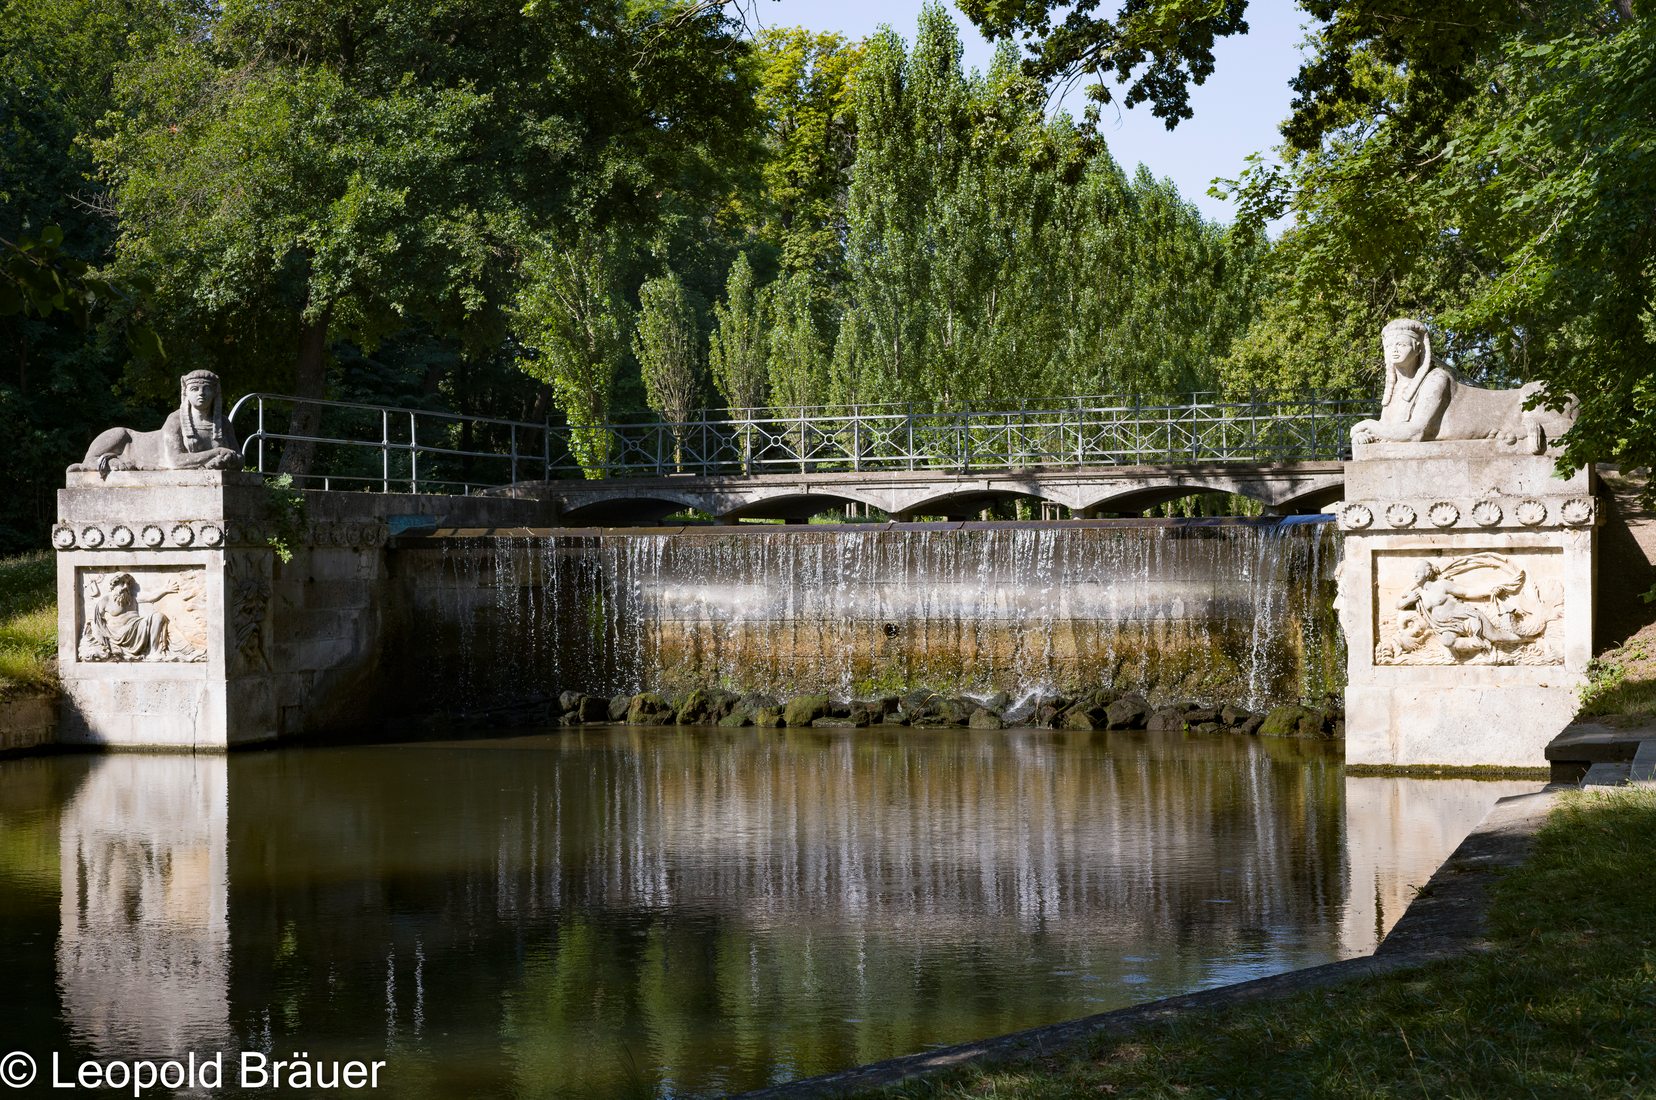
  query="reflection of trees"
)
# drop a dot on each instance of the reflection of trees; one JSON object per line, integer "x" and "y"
{"x": 707, "y": 906}
{"x": 143, "y": 948}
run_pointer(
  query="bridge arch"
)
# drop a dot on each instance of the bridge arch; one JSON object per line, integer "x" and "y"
{"x": 629, "y": 508}
{"x": 794, "y": 505}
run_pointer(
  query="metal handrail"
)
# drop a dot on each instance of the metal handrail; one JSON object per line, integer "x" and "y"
{"x": 804, "y": 439}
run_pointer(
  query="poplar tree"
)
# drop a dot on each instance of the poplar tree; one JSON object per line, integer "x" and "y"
{"x": 571, "y": 317}
{"x": 668, "y": 346}
{"x": 737, "y": 346}
{"x": 798, "y": 357}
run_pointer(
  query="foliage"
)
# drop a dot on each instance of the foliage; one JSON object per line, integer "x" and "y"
{"x": 1622, "y": 680}
{"x": 798, "y": 360}
{"x": 668, "y": 347}
{"x": 293, "y": 176}
{"x": 737, "y": 345}
{"x": 287, "y": 511}
{"x": 28, "y": 623}
{"x": 1495, "y": 184}
{"x": 804, "y": 94}
{"x": 64, "y": 334}
{"x": 1560, "y": 1003}
{"x": 572, "y": 320}
{"x": 996, "y": 256}
{"x": 1157, "y": 48}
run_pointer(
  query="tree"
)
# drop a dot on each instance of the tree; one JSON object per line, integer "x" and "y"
{"x": 1483, "y": 164}
{"x": 804, "y": 93}
{"x": 1157, "y": 48}
{"x": 667, "y": 343}
{"x": 798, "y": 359}
{"x": 736, "y": 348}
{"x": 292, "y": 176}
{"x": 571, "y": 317}
{"x": 65, "y": 333}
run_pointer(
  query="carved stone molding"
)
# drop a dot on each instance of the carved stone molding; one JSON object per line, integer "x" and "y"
{"x": 207, "y": 534}
{"x": 352, "y": 535}
{"x": 247, "y": 593}
{"x": 1482, "y": 513}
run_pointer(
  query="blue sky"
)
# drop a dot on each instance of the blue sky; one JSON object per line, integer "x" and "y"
{"x": 1237, "y": 110}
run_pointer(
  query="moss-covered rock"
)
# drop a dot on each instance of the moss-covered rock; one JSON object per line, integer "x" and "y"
{"x": 805, "y": 709}
{"x": 769, "y": 718}
{"x": 1126, "y": 713}
{"x": 1082, "y": 717}
{"x": 985, "y": 719}
{"x": 649, "y": 709}
{"x": 1304, "y": 723}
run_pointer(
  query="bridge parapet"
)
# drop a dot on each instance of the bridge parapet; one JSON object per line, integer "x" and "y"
{"x": 386, "y": 449}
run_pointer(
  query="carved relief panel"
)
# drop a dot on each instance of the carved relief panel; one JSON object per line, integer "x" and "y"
{"x": 1468, "y": 607}
{"x": 155, "y": 613}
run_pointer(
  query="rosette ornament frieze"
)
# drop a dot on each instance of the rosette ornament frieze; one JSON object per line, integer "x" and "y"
{"x": 1483, "y": 513}
{"x": 170, "y": 534}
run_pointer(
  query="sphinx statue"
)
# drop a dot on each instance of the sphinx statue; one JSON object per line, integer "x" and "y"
{"x": 197, "y": 436}
{"x": 1426, "y": 401}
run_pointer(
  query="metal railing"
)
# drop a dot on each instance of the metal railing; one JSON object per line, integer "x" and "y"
{"x": 388, "y": 449}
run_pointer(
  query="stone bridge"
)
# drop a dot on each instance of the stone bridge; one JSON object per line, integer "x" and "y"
{"x": 1283, "y": 488}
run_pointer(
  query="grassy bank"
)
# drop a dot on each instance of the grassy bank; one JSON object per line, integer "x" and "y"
{"x": 28, "y": 624}
{"x": 1623, "y": 680}
{"x": 1563, "y": 1005}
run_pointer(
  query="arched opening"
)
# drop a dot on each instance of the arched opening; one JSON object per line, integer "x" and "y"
{"x": 627, "y": 510}
{"x": 976, "y": 504}
{"x": 793, "y": 507}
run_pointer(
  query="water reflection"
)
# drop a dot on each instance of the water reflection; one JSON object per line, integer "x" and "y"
{"x": 144, "y": 942}
{"x": 679, "y": 912}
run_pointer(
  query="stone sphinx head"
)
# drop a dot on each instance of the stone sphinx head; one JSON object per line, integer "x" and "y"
{"x": 201, "y": 400}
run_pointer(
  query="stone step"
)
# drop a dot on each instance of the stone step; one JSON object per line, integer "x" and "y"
{"x": 1612, "y": 774}
{"x": 1643, "y": 769}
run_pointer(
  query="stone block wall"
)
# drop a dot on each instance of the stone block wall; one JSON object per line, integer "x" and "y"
{"x": 181, "y": 627}
{"x": 1466, "y": 594}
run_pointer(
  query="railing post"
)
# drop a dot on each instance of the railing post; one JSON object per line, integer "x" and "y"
{"x": 413, "y": 454}
{"x": 909, "y": 411}
{"x": 856, "y": 439}
{"x": 514, "y": 454}
{"x": 261, "y": 434}
{"x": 385, "y": 450}
{"x": 802, "y": 439}
{"x": 546, "y": 448}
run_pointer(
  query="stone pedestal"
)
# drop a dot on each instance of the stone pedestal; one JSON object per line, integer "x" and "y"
{"x": 1466, "y": 596}
{"x": 178, "y": 661}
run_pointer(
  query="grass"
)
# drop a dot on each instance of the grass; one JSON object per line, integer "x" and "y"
{"x": 1623, "y": 680}
{"x": 28, "y": 624}
{"x": 1564, "y": 1004}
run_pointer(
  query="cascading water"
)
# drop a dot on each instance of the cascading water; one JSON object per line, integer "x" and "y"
{"x": 1231, "y": 611}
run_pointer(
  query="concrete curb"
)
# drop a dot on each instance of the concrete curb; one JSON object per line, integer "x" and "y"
{"x": 1444, "y": 921}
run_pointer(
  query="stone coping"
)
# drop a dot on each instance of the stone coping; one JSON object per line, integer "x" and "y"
{"x": 1444, "y": 448}
{"x": 1610, "y": 740}
{"x": 1445, "y": 920}
{"x": 160, "y": 479}
{"x": 409, "y": 530}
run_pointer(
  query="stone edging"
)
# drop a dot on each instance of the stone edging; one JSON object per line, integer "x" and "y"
{"x": 1445, "y": 920}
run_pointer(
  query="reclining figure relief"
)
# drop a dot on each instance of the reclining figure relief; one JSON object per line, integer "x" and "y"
{"x": 197, "y": 436}
{"x": 1425, "y": 401}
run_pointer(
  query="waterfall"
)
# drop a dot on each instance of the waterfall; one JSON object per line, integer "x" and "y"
{"x": 1235, "y": 611}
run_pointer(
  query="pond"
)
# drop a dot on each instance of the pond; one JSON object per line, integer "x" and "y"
{"x": 678, "y": 912}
